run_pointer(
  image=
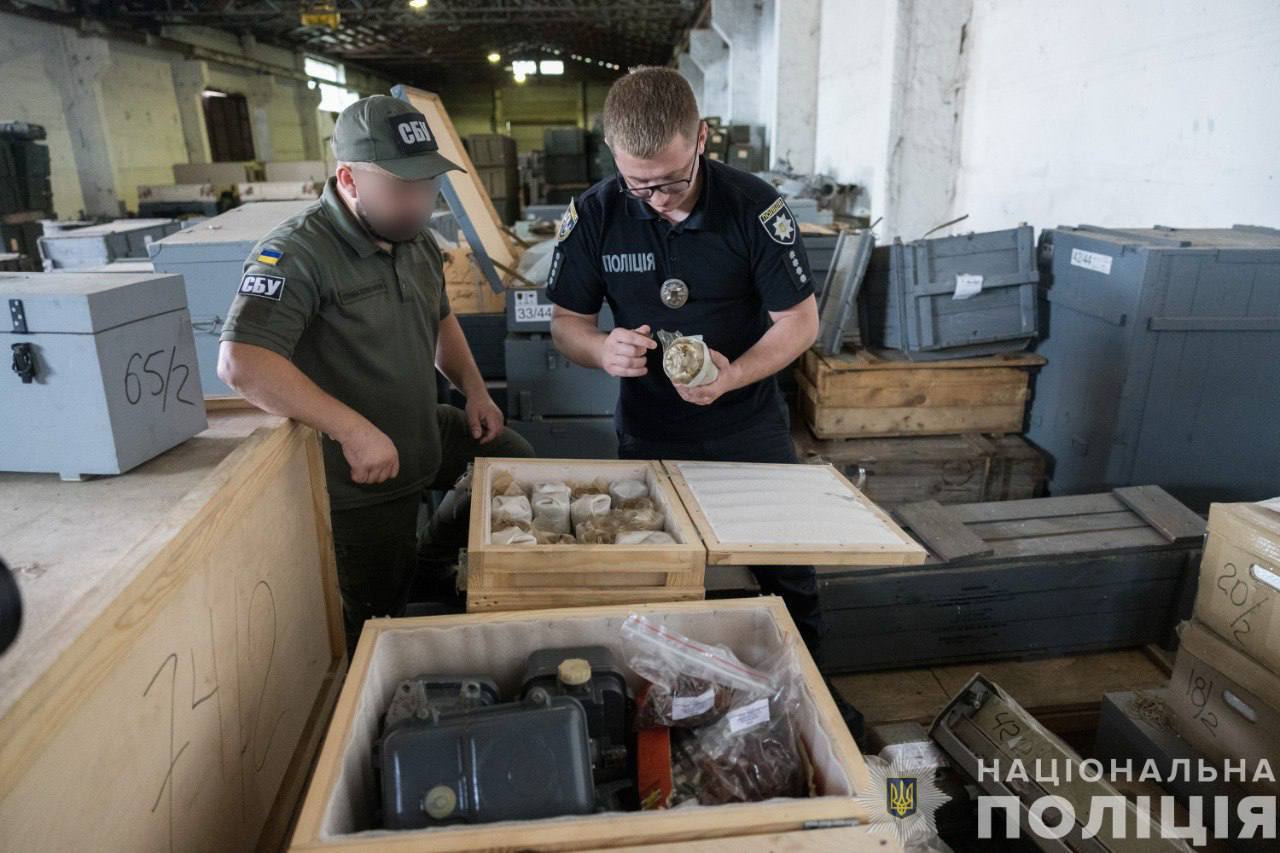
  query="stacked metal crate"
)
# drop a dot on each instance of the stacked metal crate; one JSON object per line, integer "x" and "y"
{"x": 917, "y": 380}
{"x": 1162, "y": 366}
{"x": 566, "y": 163}
{"x": 26, "y": 194}
{"x": 210, "y": 257}
{"x": 563, "y": 409}
{"x": 96, "y": 245}
{"x": 497, "y": 166}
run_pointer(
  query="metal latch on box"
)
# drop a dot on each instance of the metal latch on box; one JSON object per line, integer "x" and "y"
{"x": 24, "y": 363}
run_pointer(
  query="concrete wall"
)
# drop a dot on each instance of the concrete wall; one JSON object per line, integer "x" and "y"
{"x": 119, "y": 114}
{"x": 1112, "y": 113}
{"x": 1121, "y": 113}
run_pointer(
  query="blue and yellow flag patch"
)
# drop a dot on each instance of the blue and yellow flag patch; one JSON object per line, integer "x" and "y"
{"x": 270, "y": 257}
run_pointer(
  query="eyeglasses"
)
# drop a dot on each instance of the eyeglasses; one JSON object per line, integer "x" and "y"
{"x": 668, "y": 188}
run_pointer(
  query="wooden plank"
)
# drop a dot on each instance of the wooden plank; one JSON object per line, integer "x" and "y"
{"x": 940, "y": 531}
{"x": 1094, "y": 541}
{"x": 479, "y": 207}
{"x": 1163, "y": 512}
{"x": 1037, "y": 508}
{"x": 853, "y": 839}
{"x": 993, "y": 531}
{"x": 859, "y": 422}
{"x": 865, "y": 359}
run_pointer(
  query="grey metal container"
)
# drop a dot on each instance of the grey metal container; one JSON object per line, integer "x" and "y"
{"x": 1162, "y": 346}
{"x": 104, "y": 372}
{"x": 820, "y": 249}
{"x": 210, "y": 258}
{"x": 529, "y": 311}
{"x": 570, "y": 438}
{"x": 95, "y": 245}
{"x": 914, "y": 297}
{"x": 541, "y": 382}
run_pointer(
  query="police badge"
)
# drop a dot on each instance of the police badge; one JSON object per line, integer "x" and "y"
{"x": 778, "y": 223}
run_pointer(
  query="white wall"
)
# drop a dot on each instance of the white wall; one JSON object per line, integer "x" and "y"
{"x": 1111, "y": 112}
{"x": 854, "y": 81}
{"x": 1122, "y": 113}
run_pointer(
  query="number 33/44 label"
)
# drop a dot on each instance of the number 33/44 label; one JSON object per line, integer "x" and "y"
{"x": 529, "y": 310}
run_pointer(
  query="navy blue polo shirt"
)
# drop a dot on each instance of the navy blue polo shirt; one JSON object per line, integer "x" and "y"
{"x": 739, "y": 252}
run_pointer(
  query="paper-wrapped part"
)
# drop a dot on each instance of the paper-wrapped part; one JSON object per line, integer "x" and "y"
{"x": 513, "y": 536}
{"x": 597, "y": 487}
{"x": 644, "y": 537}
{"x": 625, "y": 490}
{"x": 686, "y": 359}
{"x": 590, "y": 506}
{"x": 548, "y": 537}
{"x": 646, "y": 503}
{"x": 640, "y": 519}
{"x": 540, "y": 489}
{"x": 511, "y": 508}
{"x": 551, "y": 511}
{"x": 597, "y": 530}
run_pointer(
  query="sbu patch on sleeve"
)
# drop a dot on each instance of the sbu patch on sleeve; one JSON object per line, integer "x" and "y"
{"x": 263, "y": 286}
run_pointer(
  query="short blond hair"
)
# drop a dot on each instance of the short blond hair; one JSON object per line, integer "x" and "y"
{"x": 645, "y": 110}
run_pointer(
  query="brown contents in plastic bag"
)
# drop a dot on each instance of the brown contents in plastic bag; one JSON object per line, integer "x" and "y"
{"x": 764, "y": 762}
{"x": 598, "y": 487}
{"x": 689, "y": 703}
{"x": 598, "y": 530}
{"x": 550, "y": 537}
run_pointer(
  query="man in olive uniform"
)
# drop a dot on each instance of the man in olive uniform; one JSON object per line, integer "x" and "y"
{"x": 341, "y": 321}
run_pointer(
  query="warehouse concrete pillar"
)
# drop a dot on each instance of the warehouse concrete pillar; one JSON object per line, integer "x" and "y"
{"x": 791, "y": 118}
{"x": 308, "y": 101}
{"x": 925, "y": 111}
{"x": 739, "y": 23}
{"x": 691, "y": 72}
{"x": 83, "y": 60}
{"x": 259, "y": 93}
{"x": 711, "y": 54}
{"x": 190, "y": 79}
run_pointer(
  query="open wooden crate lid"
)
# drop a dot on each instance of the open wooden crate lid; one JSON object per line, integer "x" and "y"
{"x": 756, "y": 514}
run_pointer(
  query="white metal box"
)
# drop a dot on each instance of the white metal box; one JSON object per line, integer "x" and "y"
{"x": 103, "y": 372}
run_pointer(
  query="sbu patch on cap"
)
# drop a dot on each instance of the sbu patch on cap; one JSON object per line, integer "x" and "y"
{"x": 411, "y": 134}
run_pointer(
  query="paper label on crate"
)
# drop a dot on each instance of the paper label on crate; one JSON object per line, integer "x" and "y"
{"x": 967, "y": 284}
{"x": 1091, "y": 261}
{"x": 683, "y": 707}
{"x": 529, "y": 310}
{"x": 748, "y": 716}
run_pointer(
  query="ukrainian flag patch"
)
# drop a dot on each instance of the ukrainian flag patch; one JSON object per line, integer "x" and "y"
{"x": 270, "y": 257}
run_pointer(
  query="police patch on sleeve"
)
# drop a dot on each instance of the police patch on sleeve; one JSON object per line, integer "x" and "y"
{"x": 567, "y": 222}
{"x": 778, "y": 223}
{"x": 263, "y": 286}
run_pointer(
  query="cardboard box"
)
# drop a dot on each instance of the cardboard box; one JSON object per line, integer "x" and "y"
{"x": 1225, "y": 703}
{"x": 338, "y": 812}
{"x": 1240, "y": 579}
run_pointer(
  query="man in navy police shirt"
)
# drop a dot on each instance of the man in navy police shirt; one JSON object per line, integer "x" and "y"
{"x": 677, "y": 242}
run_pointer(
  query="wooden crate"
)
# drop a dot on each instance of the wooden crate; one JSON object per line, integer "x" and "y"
{"x": 338, "y": 811}
{"x": 1019, "y": 579}
{"x": 868, "y": 394}
{"x": 502, "y": 577}
{"x": 182, "y": 649}
{"x": 947, "y": 468}
{"x": 468, "y": 290}
{"x": 535, "y": 576}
